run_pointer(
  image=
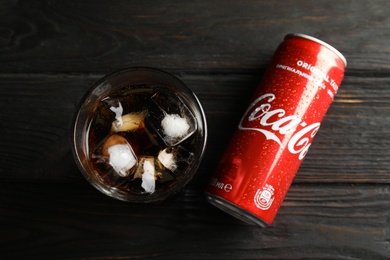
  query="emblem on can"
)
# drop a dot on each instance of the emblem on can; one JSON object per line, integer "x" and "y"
{"x": 264, "y": 197}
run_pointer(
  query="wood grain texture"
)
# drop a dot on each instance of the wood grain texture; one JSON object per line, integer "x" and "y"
{"x": 90, "y": 36}
{"x": 67, "y": 221}
{"x": 52, "y": 51}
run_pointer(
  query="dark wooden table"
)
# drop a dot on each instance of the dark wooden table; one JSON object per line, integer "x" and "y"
{"x": 52, "y": 51}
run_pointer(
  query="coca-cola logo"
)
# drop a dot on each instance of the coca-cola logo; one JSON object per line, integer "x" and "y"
{"x": 275, "y": 125}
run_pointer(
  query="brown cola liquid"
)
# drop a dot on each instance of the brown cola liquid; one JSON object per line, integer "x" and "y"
{"x": 144, "y": 141}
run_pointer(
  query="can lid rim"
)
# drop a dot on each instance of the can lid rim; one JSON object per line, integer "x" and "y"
{"x": 301, "y": 35}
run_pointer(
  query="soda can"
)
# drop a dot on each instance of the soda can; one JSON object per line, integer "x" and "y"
{"x": 277, "y": 129}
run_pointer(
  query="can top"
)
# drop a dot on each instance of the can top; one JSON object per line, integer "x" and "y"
{"x": 320, "y": 42}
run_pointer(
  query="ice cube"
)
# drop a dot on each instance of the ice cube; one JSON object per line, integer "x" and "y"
{"x": 170, "y": 118}
{"x": 105, "y": 172}
{"x": 175, "y": 159}
{"x": 129, "y": 122}
{"x": 148, "y": 179}
{"x": 122, "y": 158}
{"x": 120, "y": 155}
{"x": 175, "y": 126}
{"x": 161, "y": 174}
{"x": 166, "y": 157}
{"x": 147, "y": 172}
{"x": 140, "y": 169}
{"x": 118, "y": 112}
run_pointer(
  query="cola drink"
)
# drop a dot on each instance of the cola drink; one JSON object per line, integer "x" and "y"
{"x": 139, "y": 135}
{"x": 277, "y": 129}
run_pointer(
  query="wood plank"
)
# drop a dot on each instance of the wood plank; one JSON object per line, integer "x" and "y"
{"x": 315, "y": 221}
{"x": 90, "y": 36}
{"x": 36, "y": 119}
{"x": 353, "y": 144}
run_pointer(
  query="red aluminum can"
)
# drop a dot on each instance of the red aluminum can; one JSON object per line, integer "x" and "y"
{"x": 277, "y": 129}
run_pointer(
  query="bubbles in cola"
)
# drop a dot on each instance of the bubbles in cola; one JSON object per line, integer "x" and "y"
{"x": 142, "y": 139}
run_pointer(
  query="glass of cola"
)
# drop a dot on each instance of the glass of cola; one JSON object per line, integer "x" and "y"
{"x": 139, "y": 135}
